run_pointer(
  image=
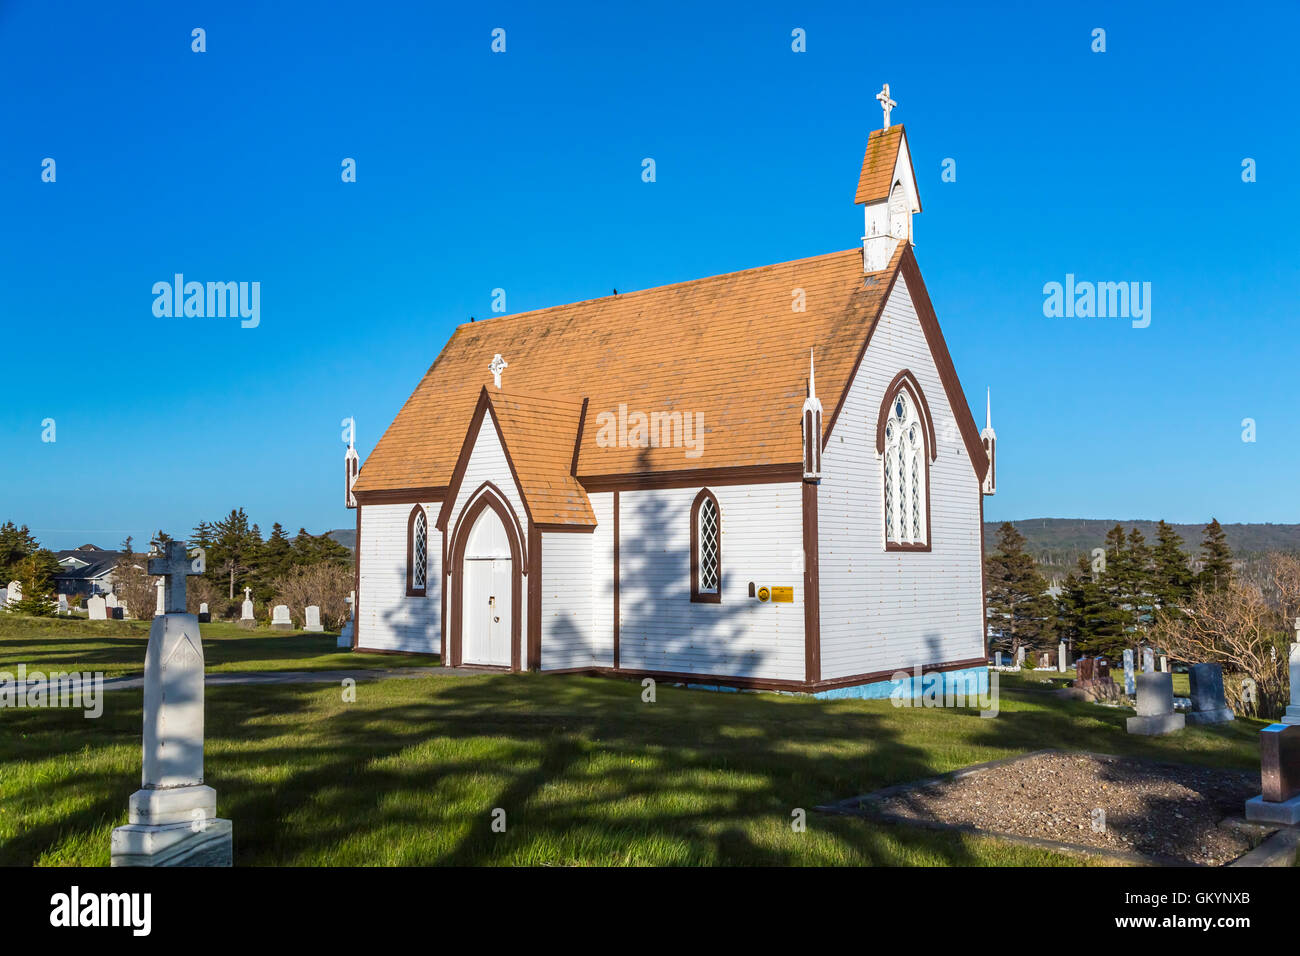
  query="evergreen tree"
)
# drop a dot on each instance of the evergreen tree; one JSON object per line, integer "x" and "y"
{"x": 1091, "y": 619}
{"x": 1172, "y": 578}
{"x": 1216, "y": 562}
{"x": 311, "y": 549}
{"x": 277, "y": 554}
{"x": 234, "y": 548}
{"x": 1020, "y": 612}
{"x": 15, "y": 545}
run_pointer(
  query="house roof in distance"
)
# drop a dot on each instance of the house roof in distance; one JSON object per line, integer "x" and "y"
{"x": 86, "y": 562}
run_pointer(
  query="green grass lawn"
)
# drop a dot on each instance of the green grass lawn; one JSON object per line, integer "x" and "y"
{"x": 585, "y": 771}
{"x": 116, "y": 648}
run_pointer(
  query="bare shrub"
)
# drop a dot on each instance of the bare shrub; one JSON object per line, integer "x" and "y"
{"x": 136, "y": 588}
{"x": 324, "y": 584}
{"x": 1241, "y": 627}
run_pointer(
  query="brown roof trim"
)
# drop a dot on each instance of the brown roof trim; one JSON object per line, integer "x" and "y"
{"x": 970, "y": 432}
{"x": 565, "y": 528}
{"x": 857, "y": 362}
{"x": 401, "y": 496}
{"x": 577, "y": 442}
{"x": 695, "y": 477}
{"x": 484, "y": 407}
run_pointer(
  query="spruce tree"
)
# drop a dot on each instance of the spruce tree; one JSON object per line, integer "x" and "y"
{"x": 1216, "y": 560}
{"x": 1020, "y": 612}
{"x": 1172, "y": 578}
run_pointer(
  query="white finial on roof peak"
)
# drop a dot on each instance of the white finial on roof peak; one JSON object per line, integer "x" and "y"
{"x": 498, "y": 366}
{"x": 812, "y": 381}
{"x": 988, "y": 408}
{"x": 886, "y": 104}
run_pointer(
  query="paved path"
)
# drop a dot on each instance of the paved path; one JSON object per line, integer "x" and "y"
{"x": 295, "y": 677}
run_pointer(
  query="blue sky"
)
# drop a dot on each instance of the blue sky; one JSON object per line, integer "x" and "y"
{"x": 522, "y": 171}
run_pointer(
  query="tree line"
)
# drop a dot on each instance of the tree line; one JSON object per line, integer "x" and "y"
{"x": 238, "y": 556}
{"x": 1131, "y": 594}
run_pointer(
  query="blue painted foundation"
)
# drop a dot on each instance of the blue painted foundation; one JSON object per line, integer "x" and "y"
{"x": 972, "y": 681}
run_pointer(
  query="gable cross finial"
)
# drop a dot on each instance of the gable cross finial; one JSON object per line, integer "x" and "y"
{"x": 812, "y": 382}
{"x": 886, "y": 104}
{"x": 498, "y": 366}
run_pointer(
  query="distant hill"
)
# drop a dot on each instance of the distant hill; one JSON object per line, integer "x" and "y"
{"x": 1058, "y": 542}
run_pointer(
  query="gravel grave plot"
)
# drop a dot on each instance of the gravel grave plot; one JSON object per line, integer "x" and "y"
{"x": 1159, "y": 810}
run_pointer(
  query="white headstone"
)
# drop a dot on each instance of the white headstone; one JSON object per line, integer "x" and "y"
{"x": 14, "y": 593}
{"x": 96, "y": 607}
{"x": 1164, "y": 663}
{"x": 345, "y": 632}
{"x": 110, "y": 599}
{"x": 63, "y": 604}
{"x": 313, "y": 619}
{"x": 246, "y": 610}
{"x": 280, "y": 619}
{"x": 1060, "y": 657}
{"x": 1292, "y": 715}
{"x": 1130, "y": 685}
{"x": 173, "y": 816}
{"x": 1148, "y": 661}
{"x": 997, "y": 659}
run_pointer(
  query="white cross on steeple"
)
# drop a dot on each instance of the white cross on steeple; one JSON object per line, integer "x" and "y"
{"x": 498, "y": 366}
{"x": 886, "y": 104}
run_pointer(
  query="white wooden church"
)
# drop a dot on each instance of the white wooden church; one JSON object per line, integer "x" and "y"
{"x": 767, "y": 479}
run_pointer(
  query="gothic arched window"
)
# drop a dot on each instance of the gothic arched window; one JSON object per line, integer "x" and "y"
{"x": 417, "y": 553}
{"x": 706, "y": 549}
{"x": 905, "y": 441}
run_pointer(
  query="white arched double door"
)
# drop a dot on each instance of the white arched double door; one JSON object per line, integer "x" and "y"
{"x": 488, "y": 574}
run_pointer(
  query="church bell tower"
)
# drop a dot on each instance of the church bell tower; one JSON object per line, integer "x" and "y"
{"x": 886, "y": 191}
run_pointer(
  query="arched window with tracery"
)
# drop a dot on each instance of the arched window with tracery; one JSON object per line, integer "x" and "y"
{"x": 417, "y": 553}
{"x": 706, "y": 549}
{"x": 905, "y": 441}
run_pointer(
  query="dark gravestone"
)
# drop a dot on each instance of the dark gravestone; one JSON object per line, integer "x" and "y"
{"x": 1208, "y": 703}
{"x": 1103, "y": 670}
{"x": 1279, "y": 775}
{"x": 1084, "y": 668}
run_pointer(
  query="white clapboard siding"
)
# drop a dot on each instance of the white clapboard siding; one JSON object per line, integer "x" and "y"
{"x": 566, "y": 601}
{"x": 892, "y": 610}
{"x": 660, "y": 629}
{"x": 487, "y": 462}
{"x": 387, "y": 619}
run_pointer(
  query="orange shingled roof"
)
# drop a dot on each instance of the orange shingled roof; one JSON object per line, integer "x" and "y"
{"x": 729, "y": 349}
{"x": 878, "y": 164}
{"x": 539, "y": 433}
